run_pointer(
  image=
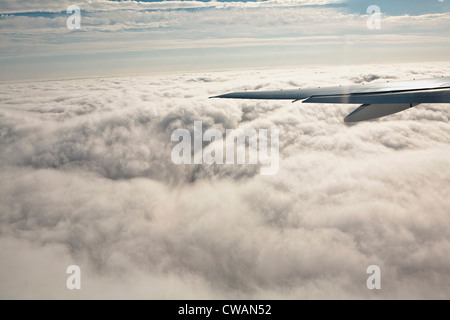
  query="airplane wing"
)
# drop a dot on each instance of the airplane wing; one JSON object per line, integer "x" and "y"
{"x": 377, "y": 99}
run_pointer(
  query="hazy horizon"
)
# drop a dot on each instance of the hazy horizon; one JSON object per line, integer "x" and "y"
{"x": 144, "y": 37}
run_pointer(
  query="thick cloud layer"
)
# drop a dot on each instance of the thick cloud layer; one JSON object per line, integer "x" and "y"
{"x": 87, "y": 179}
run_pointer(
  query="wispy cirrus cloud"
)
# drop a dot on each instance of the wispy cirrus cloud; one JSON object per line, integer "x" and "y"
{"x": 42, "y": 6}
{"x": 171, "y": 35}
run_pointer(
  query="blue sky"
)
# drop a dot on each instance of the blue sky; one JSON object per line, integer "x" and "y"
{"x": 142, "y": 37}
{"x": 400, "y": 7}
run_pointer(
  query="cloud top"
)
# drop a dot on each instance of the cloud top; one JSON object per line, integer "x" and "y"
{"x": 88, "y": 180}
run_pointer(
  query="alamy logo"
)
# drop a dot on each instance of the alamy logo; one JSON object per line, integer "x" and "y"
{"x": 213, "y": 153}
{"x": 74, "y": 21}
{"x": 74, "y": 280}
{"x": 374, "y": 21}
{"x": 374, "y": 280}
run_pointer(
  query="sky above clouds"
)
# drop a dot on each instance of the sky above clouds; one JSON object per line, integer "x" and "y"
{"x": 144, "y": 37}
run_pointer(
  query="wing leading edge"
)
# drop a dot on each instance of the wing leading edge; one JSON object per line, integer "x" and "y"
{"x": 377, "y": 99}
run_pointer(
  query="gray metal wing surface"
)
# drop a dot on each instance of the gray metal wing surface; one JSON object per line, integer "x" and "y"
{"x": 377, "y": 99}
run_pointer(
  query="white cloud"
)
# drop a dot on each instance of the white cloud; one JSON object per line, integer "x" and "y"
{"x": 301, "y": 32}
{"x": 88, "y": 180}
{"x": 16, "y": 6}
{"x": 121, "y": 37}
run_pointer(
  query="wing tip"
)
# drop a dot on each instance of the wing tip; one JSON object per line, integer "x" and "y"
{"x": 227, "y": 95}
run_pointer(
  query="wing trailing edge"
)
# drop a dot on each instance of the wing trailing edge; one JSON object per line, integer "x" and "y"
{"x": 374, "y": 111}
